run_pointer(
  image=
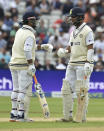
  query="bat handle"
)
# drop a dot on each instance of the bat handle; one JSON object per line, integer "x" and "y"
{"x": 35, "y": 79}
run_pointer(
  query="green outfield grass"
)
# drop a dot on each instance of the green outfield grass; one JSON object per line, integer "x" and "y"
{"x": 95, "y": 109}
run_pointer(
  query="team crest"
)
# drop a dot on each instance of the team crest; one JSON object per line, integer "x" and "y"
{"x": 81, "y": 36}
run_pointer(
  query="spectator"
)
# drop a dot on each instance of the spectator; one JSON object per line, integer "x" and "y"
{"x": 67, "y": 6}
{"x": 3, "y": 43}
{"x": 33, "y": 7}
{"x": 15, "y": 28}
{"x": 48, "y": 65}
{"x": 4, "y": 55}
{"x": 61, "y": 64}
{"x": 3, "y": 64}
{"x": 102, "y": 21}
{"x": 65, "y": 26}
{"x": 99, "y": 43}
{"x": 1, "y": 13}
{"x": 5, "y": 4}
{"x": 44, "y": 7}
{"x": 5, "y": 35}
{"x": 13, "y": 9}
{"x": 99, "y": 66}
{"x": 38, "y": 65}
{"x": 99, "y": 31}
{"x": 56, "y": 4}
{"x": 88, "y": 17}
{"x": 64, "y": 37}
{"x": 80, "y": 4}
{"x": 101, "y": 8}
{"x": 42, "y": 30}
{"x": 11, "y": 41}
{"x": 55, "y": 41}
{"x": 8, "y": 22}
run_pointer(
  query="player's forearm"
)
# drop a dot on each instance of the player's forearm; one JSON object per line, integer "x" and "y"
{"x": 48, "y": 47}
{"x": 90, "y": 53}
{"x": 38, "y": 47}
{"x": 69, "y": 50}
{"x": 28, "y": 55}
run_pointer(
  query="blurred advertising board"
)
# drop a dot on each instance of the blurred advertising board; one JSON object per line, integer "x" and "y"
{"x": 51, "y": 82}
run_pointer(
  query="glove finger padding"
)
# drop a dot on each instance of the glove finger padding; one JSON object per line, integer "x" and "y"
{"x": 50, "y": 48}
{"x": 61, "y": 52}
{"x": 87, "y": 69}
{"x": 31, "y": 70}
{"x": 47, "y": 47}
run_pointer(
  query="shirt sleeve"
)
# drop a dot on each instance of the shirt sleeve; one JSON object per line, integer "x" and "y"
{"x": 90, "y": 38}
{"x": 28, "y": 44}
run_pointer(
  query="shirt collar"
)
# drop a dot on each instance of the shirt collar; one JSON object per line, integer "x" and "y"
{"x": 81, "y": 26}
{"x": 30, "y": 28}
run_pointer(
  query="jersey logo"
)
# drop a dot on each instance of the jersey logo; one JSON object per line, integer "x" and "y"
{"x": 81, "y": 36}
{"x": 75, "y": 43}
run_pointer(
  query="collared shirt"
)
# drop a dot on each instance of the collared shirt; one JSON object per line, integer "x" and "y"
{"x": 89, "y": 37}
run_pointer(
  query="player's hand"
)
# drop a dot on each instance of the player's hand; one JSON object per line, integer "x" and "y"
{"x": 31, "y": 70}
{"x": 47, "y": 47}
{"x": 62, "y": 52}
{"x": 87, "y": 69}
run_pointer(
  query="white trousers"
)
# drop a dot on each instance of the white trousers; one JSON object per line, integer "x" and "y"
{"x": 22, "y": 86}
{"x": 74, "y": 73}
{"x": 21, "y": 80}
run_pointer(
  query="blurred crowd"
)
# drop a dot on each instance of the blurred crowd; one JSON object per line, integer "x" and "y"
{"x": 52, "y": 29}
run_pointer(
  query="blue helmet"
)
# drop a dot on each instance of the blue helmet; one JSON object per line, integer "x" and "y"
{"x": 30, "y": 17}
{"x": 77, "y": 13}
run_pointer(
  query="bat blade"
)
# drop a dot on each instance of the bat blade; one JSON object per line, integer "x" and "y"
{"x": 42, "y": 99}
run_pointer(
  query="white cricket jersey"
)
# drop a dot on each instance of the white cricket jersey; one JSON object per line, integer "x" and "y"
{"x": 79, "y": 40}
{"x": 24, "y": 41}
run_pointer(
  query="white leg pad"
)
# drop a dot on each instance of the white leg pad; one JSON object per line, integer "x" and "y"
{"x": 14, "y": 97}
{"x": 27, "y": 101}
{"x": 85, "y": 108}
{"x": 67, "y": 99}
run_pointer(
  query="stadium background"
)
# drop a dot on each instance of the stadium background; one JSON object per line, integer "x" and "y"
{"x": 50, "y": 68}
{"x": 55, "y": 31}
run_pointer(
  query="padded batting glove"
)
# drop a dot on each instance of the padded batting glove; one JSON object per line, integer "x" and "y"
{"x": 31, "y": 70}
{"x": 87, "y": 69}
{"x": 47, "y": 47}
{"x": 62, "y": 52}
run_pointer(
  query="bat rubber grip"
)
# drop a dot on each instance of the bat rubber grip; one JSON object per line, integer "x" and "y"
{"x": 35, "y": 79}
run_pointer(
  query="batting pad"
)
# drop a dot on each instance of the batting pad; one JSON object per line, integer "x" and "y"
{"x": 67, "y": 99}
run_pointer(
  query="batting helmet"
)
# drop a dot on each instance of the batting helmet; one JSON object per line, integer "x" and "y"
{"x": 32, "y": 18}
{"x": 77, "y": 13}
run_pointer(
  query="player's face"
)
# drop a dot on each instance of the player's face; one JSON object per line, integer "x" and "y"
{"x": 70, "y": 19}
{"x": 34, "y": 22}
{"x": 73, "y": 20}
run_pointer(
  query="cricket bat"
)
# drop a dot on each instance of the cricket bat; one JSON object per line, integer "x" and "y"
{"x": 42, "y": 98}
{"x": 81, "y": 103}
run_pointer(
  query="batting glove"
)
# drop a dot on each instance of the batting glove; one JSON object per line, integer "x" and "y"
{"x": 87, "y": 69}
{"x": 62, "y": 52}
{"x": 31, "y": 70}
{"x": 47, "y": 47}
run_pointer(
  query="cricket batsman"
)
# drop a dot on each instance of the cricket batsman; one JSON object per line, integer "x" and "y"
{"x": 79, "y": 67}
{"x": 22, "y": 66}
